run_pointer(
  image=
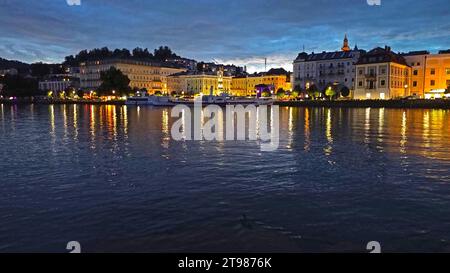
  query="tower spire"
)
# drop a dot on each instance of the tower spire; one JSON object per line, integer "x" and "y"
{"x": 345, "y": 47}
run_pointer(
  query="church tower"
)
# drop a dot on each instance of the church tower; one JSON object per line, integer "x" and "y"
{"x": 345, "y": 47}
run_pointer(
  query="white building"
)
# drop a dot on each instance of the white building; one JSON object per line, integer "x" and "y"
{"x": 326, "y": 68}
{"x": 58, "y": 83}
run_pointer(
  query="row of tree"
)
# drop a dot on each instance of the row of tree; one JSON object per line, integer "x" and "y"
{"x": 160, "y": 54}
{"x": 19, "y": 86}
{"x": 330, "y": 91}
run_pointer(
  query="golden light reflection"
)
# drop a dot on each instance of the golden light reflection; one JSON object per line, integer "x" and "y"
{"x": 329, "y": 147}
{"x": 404, "y": 137}
{"x": 165, "y": 128}
{"x": 307, "y": 131}
{"x": 92, "y": 125}
{"x": 75, "y": 122}
{"x": 2, "y": 110}
{"x": 124, "y": 111}
{"x": 367, "y": 127}
{"x": 65, "y": 121}
{"x": 380, "y": 128}
{"x": 426, "y": 129}
{"x": 114, "y": 116}
{"x": 290, "y": 127}
{"x": 52, "y": 124}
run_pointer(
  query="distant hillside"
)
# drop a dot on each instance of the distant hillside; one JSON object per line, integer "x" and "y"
{"x": 20, "y": 66}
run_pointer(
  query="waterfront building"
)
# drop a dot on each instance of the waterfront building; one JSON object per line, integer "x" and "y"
{"x": 58, "y": 83}
{"x": 382, "y": 74}
{"x": 274, "y": 79}
{"x": 149, "y": 75}
{"x": 194, "y": 83}
{"x": 323, "y": 69}
{"x": 430, "y": 72}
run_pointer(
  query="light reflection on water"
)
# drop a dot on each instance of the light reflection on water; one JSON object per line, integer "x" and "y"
{"x": 112, "y": 178}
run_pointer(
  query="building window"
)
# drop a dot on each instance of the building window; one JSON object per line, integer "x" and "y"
{"x": 360, "y": 83}
{"x": 432, "y": 82}
{"x": 382, "y": 82}
{"x": 415, "y": 72}
{"x": 433, "y": 71}
{"x": 447, "y": 71}
{"x": 414, "y": 83}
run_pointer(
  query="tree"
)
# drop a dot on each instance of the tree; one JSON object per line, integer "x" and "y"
{"x": 18, "y": 86}
{"x": 345, "y": 92}
{"x": 158, "y": 93}
{"x": 80, "y": 93}
{"x": 266, "y": 93}
{"x": 114, "y": 80}
{"x": 164, "y": 53}
{"x": 280, "y": 93}
{"x": 313, "y": 91}
{"x": 295, "y": 94}
{"x": 329, "y": 92}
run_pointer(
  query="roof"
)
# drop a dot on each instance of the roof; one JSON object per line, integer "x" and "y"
{"x": 303, "y": 56}
{"x": 415, "y": 53}
{"x": 381, "y": 55}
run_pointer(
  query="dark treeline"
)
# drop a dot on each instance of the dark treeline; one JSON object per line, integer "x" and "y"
{"x": 161, "y": 54}
{"x": 19, "y": 86}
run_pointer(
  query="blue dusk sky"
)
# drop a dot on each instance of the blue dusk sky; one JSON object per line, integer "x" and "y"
{"x": 241, "y": 32}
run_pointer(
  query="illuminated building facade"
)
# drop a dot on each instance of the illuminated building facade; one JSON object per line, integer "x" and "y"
{"x": 382, "y": 74}
{"x": 323, "y": 69}
{"x": 276, "y": 78}
{"x": 192, "y": 83}
{"x": 58, "y": 83}
{"x": 430, "y": 72}
{"x": 151, "y": 76}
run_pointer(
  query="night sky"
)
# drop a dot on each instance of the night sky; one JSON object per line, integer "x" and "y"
{"x": 240, "y": 32}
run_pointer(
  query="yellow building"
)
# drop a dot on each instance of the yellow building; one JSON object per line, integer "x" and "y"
{"x": 382, "y": 74}
{"x": 430, "y": 72}
{"x": 193, "y": 84}
{"x": 151, "y": 76}
{"x": 245, "y": 85}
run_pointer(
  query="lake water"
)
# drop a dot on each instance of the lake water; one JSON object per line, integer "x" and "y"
{"x": 112, "y": 178}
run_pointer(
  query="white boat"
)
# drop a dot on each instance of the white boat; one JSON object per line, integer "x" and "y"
{"x": 150, "y": 100}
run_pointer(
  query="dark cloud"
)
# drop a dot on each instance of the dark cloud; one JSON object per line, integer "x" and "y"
{"x": 225, "y": 30}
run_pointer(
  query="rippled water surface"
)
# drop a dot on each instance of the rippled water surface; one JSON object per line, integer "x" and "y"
{"x": 112, "y": 178}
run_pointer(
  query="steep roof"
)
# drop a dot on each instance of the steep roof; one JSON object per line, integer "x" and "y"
{"x": 327, "y": 55}
{"x": 381, "y": 55}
